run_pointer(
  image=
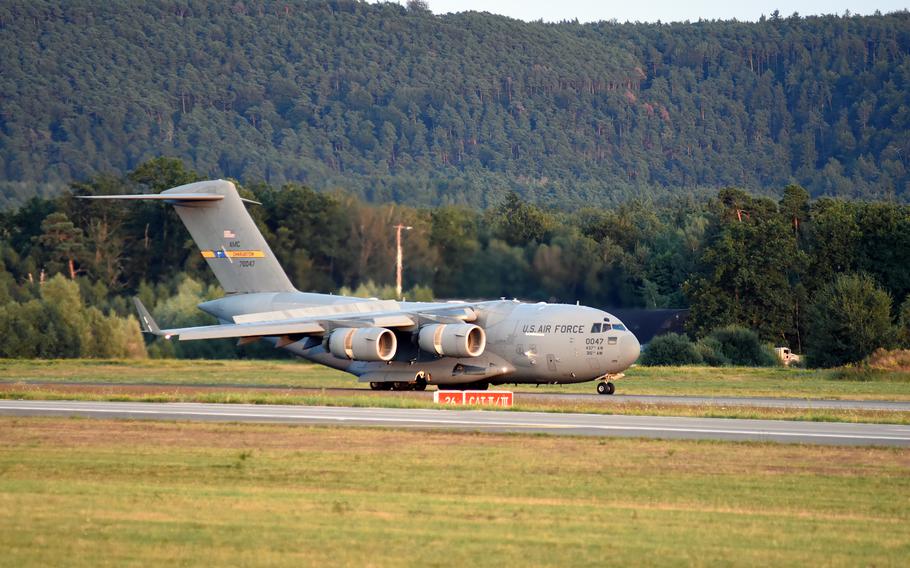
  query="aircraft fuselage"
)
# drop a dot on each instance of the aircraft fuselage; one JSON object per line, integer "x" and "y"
{"x": 525, "y": 343}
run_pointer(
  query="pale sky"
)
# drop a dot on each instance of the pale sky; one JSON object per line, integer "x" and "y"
{"x": 663, "y": 10}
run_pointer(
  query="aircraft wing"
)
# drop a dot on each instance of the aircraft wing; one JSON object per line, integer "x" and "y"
{"x": 260, "y": 325}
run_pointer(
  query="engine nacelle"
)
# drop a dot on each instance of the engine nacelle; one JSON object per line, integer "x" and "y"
{"x": 363, "y": 343}
{"x": 453, "y": 340}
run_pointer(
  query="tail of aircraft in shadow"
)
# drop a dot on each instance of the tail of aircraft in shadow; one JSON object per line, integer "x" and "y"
{"x": 228, "y": 239}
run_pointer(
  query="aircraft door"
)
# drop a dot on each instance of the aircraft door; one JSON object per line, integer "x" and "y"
{"x": 551, "y": 362}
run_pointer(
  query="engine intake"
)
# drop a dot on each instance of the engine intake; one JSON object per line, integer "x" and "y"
{"x": 453, "y": 340}
{"x": 363, "y": 343}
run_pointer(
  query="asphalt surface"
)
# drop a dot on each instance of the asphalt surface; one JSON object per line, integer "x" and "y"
{"x": 760, "y": 402}
{"x": 473, "y": 420}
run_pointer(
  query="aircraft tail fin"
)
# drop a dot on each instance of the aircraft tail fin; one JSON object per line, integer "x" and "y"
{"x": 226, "y": 235}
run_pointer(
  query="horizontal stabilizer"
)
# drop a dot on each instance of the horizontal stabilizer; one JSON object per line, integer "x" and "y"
{"x": 215, "y": 216}
{"x": 161, "y": 196}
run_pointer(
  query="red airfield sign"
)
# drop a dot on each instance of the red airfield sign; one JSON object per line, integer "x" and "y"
{"x": 502, "y": 399}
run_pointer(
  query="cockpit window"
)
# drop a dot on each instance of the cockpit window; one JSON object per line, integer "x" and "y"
{"x": 619, "y": 327}
{"x": 595, "y": 328}
{"x": 606, "y": 327}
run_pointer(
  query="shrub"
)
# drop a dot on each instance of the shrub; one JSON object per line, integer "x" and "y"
{"x": 711, "y": 352}
{"x": 670, "y": 349}
{"x": 849, "y": 319}
{"x": 736, "y": 345}
{"x": 896, "y": 360}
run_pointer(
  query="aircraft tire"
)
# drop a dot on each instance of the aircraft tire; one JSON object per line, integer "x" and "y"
{"x": 376, "y": 386}
{"x": 604, "y": 387}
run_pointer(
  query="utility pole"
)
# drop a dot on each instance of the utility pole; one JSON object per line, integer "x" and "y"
{"x": 399, "y": 257}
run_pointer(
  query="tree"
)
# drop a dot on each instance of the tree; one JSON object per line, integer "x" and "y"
{"x": 849, "y": 319}
{"x": 454, "y": 235}
{"x": 62, "y": 244}
{"x": 794, "y": 206}
{"x": 518, "y": 223}
{"x": 744, "y": 272}
{"x": 418, "y": 6}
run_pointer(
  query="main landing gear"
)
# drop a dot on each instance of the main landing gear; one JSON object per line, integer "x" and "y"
{"x": 418, "y": 384}
{"x": 399, "y": 386}
{"x": 605, "y": 387}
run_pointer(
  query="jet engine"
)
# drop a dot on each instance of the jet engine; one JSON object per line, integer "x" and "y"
{"x": 453, "y": 340}
{"x": 363, "y": 343}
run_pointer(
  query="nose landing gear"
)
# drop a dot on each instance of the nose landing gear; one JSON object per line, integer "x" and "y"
{"x": 605, "y": 386}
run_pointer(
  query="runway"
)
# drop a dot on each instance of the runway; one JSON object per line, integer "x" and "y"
{"x": 523, "y": 395}
{"x": 488, "y": 421}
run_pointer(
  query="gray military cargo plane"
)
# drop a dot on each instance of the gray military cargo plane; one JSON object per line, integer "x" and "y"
{"x": 388, "y": 344}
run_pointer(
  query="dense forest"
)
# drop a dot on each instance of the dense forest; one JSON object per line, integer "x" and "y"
{"x": 756, "y": 262}
{"x": 397, "y": 104}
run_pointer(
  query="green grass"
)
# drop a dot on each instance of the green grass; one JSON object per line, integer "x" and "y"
{"x": 175, "y": 371}
{"x": 595, "y": 406}
{"x": 766, "y": 382}
{"x": 88, "y": 493}
{"x": 696, "y": 381}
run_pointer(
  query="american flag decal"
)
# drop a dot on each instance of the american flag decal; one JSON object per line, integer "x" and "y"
{"x": 229, "y": 234}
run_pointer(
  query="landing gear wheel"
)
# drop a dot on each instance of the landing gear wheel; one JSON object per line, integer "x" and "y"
{"x": 376, "y": 386}
{"x": 605, "y": 388}
{"x": 420, "y": 386}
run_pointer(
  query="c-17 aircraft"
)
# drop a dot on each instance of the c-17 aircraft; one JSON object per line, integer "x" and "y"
{"x": 386, "y": 343}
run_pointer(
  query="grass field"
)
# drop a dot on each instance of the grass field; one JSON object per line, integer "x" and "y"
{"x": 700, "y": 381}
{"x": 88, "y": 493}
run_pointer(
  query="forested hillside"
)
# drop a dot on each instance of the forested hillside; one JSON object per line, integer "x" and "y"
{"x": 397, "y": 104}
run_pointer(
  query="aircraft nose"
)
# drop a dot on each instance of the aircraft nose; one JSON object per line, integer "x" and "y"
{"x": 629, "y": 349}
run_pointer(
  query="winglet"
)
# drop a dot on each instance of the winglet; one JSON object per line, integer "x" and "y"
{"x": 146, "y": 319}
